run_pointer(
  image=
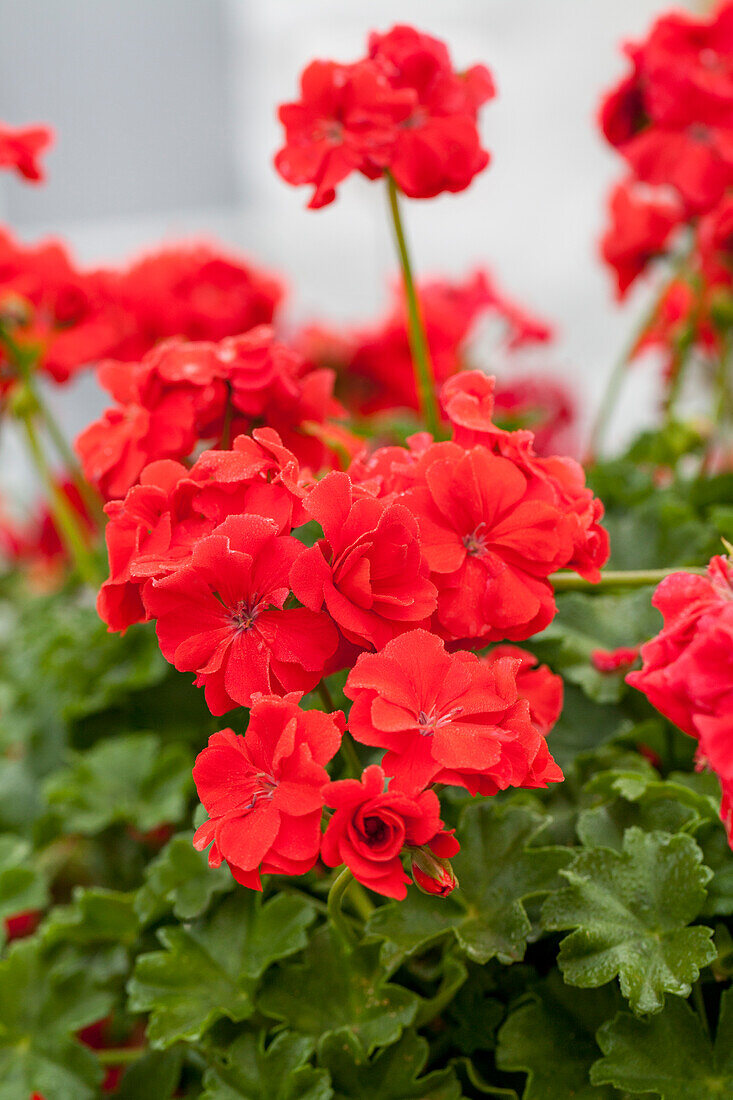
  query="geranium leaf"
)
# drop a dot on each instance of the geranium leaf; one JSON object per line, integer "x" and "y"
{"x": 155, "y": 1076}
{"x": 551, "y": 1038}
{"x": 392, "y": 1074}
{"x": 339, "y": 989}
{"x": 180, "y": 879}
{"x": 668, "y": 1054}
{"x": 249, "y": 1071}
{"x": 22, "y": 885}
{"x": 210, "y": 969}
{"x": 125, "y": 778}
{"x": 497, "y": 870}
{"x": 630, "y": 910}
{"x": 40, "y": 1009}
{"x": 586, "y": 623}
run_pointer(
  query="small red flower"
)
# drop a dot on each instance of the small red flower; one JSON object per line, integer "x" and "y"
{"x": 373, "y": 825}
{"x": 430, "y": 865}
{"x": 368, "y": 570}
{"x": 642, "y": 222}
{"x": 446, "y": 718}
{"x": 538, "y": 684}
{"x": 264, "y": 792}
{"x": 614, "y": 660}
{"x": 347, "y": 114}
{"x": 491, "y": 538}
{"x": 21, "y": 148}
{"x": 223, "y": 617}
{"x": 688, "y": 667}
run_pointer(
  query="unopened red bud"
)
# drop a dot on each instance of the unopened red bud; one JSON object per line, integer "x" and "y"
{"x": 432, "y": 874}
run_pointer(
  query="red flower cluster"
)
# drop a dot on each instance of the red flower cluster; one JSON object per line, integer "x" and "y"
{"x": 401, "y": 109}
{"x": 181, "y": 393}
{"x": 687, "y": 671}
{"x": 671, "y": 119}
{"x": 76, "y": 317}
{"x": 373, "y": 363}
{"x": 21, "y": 148}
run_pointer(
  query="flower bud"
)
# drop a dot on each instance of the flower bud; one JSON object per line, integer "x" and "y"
{"x": 431, "y": 874}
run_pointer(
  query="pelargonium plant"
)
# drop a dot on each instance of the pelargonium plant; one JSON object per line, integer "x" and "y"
{"x": 467, "y": 831}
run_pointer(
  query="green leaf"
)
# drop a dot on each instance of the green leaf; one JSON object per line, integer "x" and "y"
{"x": 668, "y": 1054}
{"x": 551, "y": 1038}
{"x": 630, "y": 910}
{"x": 179, "y": 878}
{"x": 155, "y": 1076}
{"x": 210, "y": 969}
{"x": 717, "y": 856}
{"x": 392, "y": 1074}
{"x": 586, "y": 623}
{"x": 280, "y": 1072}
{"x": 39, "y": 1012}
{"x": 124, "y": 779}
{"x": 95, "y": 916}
{"x": 336, "y": 988}
{"x": 497, "y": 870}
{"x": 22, "y": 886}
{"x": 584, "y": 726}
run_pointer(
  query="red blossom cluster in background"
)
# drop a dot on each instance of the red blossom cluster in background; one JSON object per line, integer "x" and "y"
{"x": 21, "y": 149}
{"x": 671, "y": 119}
{"x": 687, "y": 671}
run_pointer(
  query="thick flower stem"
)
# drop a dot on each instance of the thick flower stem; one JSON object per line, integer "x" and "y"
{"x": 626, "y": 578}
{"x": 422, "y": 363}
{"x": 335, "y": 911}
{"x": 68, "y": 527}
{"x": 120, "y": 1056}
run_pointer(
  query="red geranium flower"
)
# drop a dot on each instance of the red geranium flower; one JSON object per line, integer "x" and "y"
{"x": 446, "y": 718}
{"x": 223, "y": 616}
{"x": 373, "y": 825}
{"x": 688, "y": 667}
{"x": 263, "y": 791}
{"x": 346, "y": 114}
{"x": 368, "y": 570}
{"x": 491, "y": 538}
{"x": 538, "y": 684}
{"x": 642, "y": 222}
{"x": 438, "y": 147}
{"x": 21, "y": 148}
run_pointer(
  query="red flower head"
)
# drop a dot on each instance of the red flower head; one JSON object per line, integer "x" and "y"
{"x": 642, "y": 221}
{"x": 263, "y": 791}
{"x": 347, "y": 114}
{"x": 688, "y": 667}
{"x": 491, "y": 538}
{"x": 372, "y": 826}
{"x": 223, "y": 617}
{"x": 20, "y": 149}
{"x": 538, "y": 684}
{"x": 614, "y": 660}
{"x": 368, "y": 570}
{"x": 197, "y": 291}
{"x": 437, "y": 147}
{"x": 446, "y": 718}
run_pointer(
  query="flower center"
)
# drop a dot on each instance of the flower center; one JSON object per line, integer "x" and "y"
{"x": 244, "y": 615}
{"x": 475, "y": 542}
{"x": 261, "y": 788}
{"x": 427, "y": 724}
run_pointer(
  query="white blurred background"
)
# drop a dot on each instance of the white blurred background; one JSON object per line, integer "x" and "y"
{"x": 166, "y": 128}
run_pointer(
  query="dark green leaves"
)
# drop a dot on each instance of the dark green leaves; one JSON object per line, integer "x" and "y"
{"x": 337, "y": 989}
{"x": 126, "y": 778}
{"x": 210, "y": 969}
{"x": 247, "y": 1070}
{"x": 551, "y": 1037}
{"x": 22, "y": 885}
{"x": 498, "y": 870}
{"x": 392, "y": 1074}
{"x": 630, "y": 910}
{"x": 40, "y": 1009}
{"x": 179, "y": 878}
{"x": 669, "y": 1054}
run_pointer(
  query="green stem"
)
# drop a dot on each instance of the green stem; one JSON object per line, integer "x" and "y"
{"x": 361, "y": 901}
{"x": 422, "y": 363}
{"x": 24, "y": 361}
{"x": 66, "y": 522}
{"x": 618, "y": 373}
{"x": 699, "y": 1002}
{"x": 335, "y": 912}
{"x": 120, "y": 1056}
{"x": 626, "y": 578}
